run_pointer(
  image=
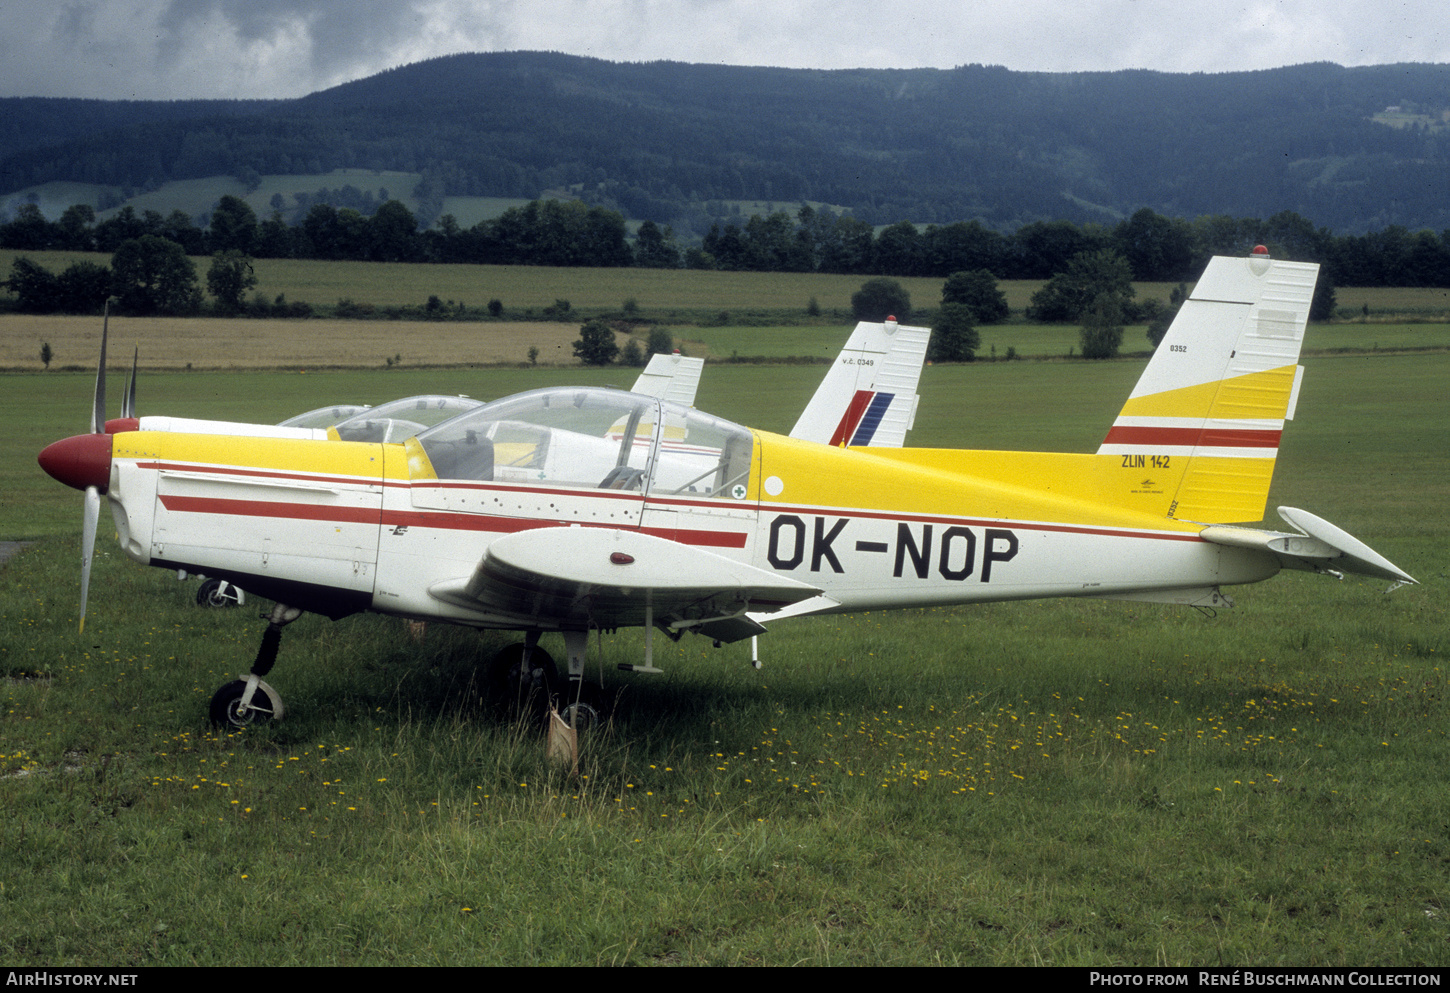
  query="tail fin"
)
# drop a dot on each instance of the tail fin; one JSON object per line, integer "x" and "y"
{"x": 670, "y": 377}
{"x": 1207, "y": 414}
{"x": 869, "y": 395}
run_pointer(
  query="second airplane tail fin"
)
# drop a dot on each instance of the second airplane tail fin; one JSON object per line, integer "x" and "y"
{"x": 869, "y": 395}
{"x": 1207, "y": 413}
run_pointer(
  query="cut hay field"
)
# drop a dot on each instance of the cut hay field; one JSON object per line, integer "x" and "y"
{"x": 215, "y": 344}
{"x": 1068, "y": 782}
{"x": 207, "y": 343}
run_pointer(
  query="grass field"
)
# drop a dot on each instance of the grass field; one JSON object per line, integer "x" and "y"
{"x": 1069, "y": 782}
{"x": 695, "y": 294}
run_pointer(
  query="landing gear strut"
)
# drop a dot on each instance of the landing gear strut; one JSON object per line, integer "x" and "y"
{"x": 582, "y": 706}
{"x": 249, "y": 701}
{"x": 525, "y": 676}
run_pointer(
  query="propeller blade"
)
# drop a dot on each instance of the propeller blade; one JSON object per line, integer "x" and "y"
{"x": 88, "y": 545}
{"x": 128, "y": 399}
{"x": 98, "y": 406}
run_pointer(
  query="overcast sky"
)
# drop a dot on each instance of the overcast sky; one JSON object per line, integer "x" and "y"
{"x": 175, "y": 49}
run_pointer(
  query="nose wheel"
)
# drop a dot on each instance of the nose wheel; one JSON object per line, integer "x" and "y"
{"x": 219, "y": 593}
{"x": 244, "y": 702}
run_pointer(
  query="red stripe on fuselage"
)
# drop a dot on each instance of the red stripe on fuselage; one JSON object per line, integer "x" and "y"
{"x": 1193, "y": 437}
{"x": 267, "y": 508}
{"x": 440, "y": 520}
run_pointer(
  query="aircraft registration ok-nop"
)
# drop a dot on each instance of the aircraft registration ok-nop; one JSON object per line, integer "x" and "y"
{"x": 572, "y": 509}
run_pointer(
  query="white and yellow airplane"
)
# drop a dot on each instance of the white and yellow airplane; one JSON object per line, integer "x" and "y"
{"x": 868, "y": 396}
{"x": 571, "y": 509}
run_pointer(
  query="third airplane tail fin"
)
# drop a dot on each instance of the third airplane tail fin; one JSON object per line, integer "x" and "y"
{"x": 1206, "y": 416}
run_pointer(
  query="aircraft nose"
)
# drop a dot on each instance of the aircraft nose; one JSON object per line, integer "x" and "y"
{"x": 80, "y": 462}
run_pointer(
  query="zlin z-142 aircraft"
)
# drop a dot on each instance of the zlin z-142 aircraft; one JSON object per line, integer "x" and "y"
{"x": 572, "y": 509}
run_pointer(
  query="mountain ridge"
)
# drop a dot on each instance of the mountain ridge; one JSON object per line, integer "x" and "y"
{"x": 658, "y": 140}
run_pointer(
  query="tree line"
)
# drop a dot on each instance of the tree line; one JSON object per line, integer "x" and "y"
{"x": 1153, "y": 248}
{"x": 573, "y": 233}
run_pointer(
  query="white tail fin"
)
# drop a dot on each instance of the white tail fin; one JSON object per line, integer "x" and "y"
{"x": 670, "y": 377}
{"x": 869, "y": 395}
{"x": 1207, "y": 414}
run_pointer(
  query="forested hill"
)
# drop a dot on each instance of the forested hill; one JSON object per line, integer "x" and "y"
{"x": 659, "y": 140}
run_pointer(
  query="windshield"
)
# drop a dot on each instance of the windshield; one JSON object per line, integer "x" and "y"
{"x": 400, "y": 420}
{"x": 591, "y": 437}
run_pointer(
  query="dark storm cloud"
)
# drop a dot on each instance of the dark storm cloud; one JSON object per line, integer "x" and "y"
{"x": 338, "y": 33}
{"x": 161, "y": 49}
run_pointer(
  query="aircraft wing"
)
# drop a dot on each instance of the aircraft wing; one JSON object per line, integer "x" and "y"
{"x": 565, "y": 576}
{"x": 670, "y": 377}
{"x": 869, "y": 395}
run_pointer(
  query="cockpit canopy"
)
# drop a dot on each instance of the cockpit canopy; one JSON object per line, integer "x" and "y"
{"x": 323, "y": 417}
{"x": 400, "y": 420}
{"x": 594, "y": 437}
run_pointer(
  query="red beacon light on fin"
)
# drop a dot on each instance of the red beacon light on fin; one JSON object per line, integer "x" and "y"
{"x": 1259, "y": 260}
{"x": 1260, "y": 250}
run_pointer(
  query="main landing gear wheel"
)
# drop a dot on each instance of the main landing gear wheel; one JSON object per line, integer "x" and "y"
{"x": 518, "y": 686}
{"x": 218, "y": 593}
{"x": 226, "y": 705}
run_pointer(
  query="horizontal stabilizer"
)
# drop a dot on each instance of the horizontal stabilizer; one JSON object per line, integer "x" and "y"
{"x": 1317, "y": 547}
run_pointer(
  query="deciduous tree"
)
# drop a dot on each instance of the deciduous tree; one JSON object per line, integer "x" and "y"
{"x": 880, "y": 298}
{"x": 978, "y": 291}
{"x": 595, "y": 345}
{"x": 229, "y": 278}
{"x": 1067, "y": 295}
{"x": 1102, "y": 327}
{"x": 151, "y": 275}
{"x": 36, "y": 287}
{"x": 233, "y": 226}
{"x": 954, "y": 338}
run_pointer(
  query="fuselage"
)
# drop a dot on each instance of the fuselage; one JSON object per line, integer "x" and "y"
{"x": 339, "y": 527}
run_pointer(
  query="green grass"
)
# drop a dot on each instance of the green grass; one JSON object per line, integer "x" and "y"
{"x": 1060, "y": 782}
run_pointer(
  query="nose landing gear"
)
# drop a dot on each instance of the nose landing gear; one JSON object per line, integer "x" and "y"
{"x": 249, "y": 701}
